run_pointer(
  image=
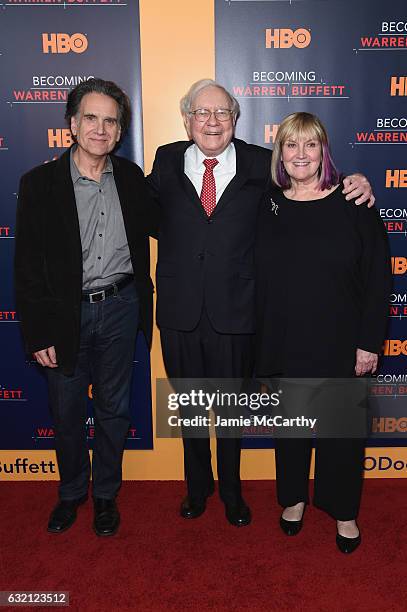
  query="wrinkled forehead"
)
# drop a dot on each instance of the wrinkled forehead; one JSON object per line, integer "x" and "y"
{"x": 99, "y": 104}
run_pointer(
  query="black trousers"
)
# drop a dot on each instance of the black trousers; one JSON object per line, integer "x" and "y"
{"x": 338, "y": 474}
{"x": 205, "y": 353}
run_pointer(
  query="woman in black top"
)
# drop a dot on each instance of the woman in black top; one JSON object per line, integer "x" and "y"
{"x": 323, "y": 286}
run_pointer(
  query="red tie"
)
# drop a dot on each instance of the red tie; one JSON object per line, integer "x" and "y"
{"x": 208, "y": 193}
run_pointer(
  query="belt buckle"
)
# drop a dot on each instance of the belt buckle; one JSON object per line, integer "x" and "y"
{"x": 101, "y": 296}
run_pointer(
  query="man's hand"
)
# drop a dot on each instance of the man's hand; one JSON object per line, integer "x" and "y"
{"x": 365, "y": 362}
{"x": 357, "y": 186}
{"x": 47, "y": 357}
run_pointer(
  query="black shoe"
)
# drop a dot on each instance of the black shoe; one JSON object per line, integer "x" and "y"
{"x": 191, "y": 509}
{"x": 63, "y": 515}
{"x": 238, "y": 515}
{"x": 347, "y": 545}
{"x": 106, "y": 517}
{"x": 291, "y": 528}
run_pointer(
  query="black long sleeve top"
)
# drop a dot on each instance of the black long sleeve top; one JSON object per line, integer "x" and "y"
{"x": 323, "y": 285}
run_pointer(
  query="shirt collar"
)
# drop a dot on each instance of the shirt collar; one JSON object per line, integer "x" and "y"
{"x": 76, "y": 175}
{"x": 226, "y": 157}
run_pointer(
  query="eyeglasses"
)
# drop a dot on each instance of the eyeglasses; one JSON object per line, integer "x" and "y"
{"x": 203, "y": 114}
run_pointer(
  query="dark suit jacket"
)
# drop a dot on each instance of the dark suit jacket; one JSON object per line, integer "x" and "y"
{"x": 48, "y": 259}
{"x": 205, "y": 261}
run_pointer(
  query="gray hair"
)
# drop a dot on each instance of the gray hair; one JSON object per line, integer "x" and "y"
{"x": 187, "y": 100}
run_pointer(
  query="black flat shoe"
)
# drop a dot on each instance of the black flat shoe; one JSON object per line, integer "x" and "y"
{"x": 63, "y": 515}
{"x": 238, "y": 515}
{"x": 347, "y": 545}
{"x": 106, "y": 517}
{"x": 291, "y": 528}
{"x": 191, "y": 509}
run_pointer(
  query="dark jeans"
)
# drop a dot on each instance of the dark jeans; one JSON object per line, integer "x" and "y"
{"x": 105, "y": 360}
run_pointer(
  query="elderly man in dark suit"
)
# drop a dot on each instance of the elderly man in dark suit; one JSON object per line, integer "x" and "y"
{"x": 209, "y": 189}
{"x": 83, "y": 288}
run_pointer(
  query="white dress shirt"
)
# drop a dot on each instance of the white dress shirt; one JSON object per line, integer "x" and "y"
{"x": 223, "y": 172}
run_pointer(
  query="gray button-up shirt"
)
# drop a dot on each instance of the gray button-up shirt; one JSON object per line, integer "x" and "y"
{"x": 105, "y": 252}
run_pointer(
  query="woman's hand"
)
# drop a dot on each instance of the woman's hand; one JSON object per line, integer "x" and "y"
{"x": 365, "y": 362}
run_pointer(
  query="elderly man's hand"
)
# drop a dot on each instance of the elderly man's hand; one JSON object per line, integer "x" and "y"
{"x": 365, "y": 362}
{"x": 47, "y": 357}
{"x": 357, "y": 186}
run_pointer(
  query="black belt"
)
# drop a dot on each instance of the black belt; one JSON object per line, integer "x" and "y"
{"x": 102, "y": 294}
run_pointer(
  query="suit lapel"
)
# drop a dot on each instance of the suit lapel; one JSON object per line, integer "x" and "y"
{"x": 186, "y": 184}
{"x": 64, "y": 197}
{"x": 242, "y": 173}
{"x": 125, "y": 198}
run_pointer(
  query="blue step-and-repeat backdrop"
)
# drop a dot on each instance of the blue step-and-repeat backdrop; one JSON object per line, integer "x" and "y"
{"x": 344, "y": 61}
{"x": 46, "y": 48}
{"x": 347, "y": 63}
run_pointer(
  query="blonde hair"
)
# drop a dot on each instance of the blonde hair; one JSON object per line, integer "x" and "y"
{"x": 295, "y": 125}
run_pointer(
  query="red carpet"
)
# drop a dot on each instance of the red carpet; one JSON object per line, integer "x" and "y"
{"x": 159, "y": 561}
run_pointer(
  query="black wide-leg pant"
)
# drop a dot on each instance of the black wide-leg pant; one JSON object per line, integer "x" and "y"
{"x": 338, "y": 474}
{"x": 206, "y": 353}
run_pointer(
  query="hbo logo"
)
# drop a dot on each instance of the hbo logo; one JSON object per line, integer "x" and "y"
{"x": 63, "y": 43}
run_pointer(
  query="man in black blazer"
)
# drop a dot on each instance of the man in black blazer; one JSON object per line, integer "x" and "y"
{"x": 209, "y": 189}
{"x": 82, "y": 288}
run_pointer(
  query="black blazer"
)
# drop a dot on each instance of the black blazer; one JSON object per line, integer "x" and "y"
{"x": 205, "y": 261}
{"x": 48, "y": 258}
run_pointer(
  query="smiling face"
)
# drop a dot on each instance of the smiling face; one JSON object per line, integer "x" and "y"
{"x": 96, "y": 126}
{"x": 213, "y": 136}
{"x": 301, "y": 155}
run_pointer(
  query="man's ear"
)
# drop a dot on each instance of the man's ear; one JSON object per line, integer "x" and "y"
{"x": 186, "y": 120}
{"x": 74, "y": 126}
